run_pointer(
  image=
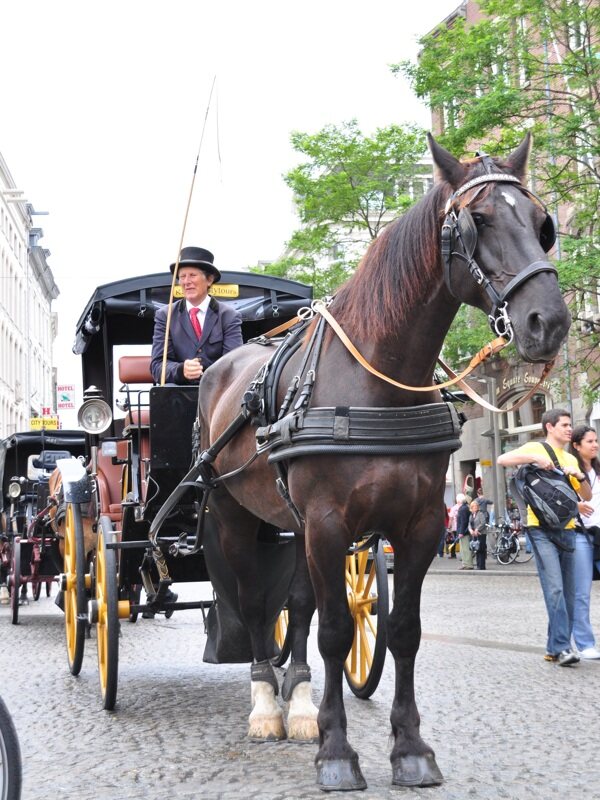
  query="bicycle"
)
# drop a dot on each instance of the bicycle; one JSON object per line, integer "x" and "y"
{"x": 10, "y": 757}
{"x": 510, "y": 546}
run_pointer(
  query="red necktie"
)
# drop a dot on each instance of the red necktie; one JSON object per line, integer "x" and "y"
{"x": 196, "y": 322}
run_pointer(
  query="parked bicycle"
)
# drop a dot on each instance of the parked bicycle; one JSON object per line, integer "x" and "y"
{"x": 510, "y": 545}
{"x": 10, "y": 757}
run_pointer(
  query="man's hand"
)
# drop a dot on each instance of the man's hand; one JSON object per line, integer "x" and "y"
{"x": 192, "y": 369}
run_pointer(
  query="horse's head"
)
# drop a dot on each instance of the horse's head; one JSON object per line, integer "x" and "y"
{"x": 495, "y": 237}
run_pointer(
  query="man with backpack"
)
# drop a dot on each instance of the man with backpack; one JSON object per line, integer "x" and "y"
{"x": 552, "y": 535}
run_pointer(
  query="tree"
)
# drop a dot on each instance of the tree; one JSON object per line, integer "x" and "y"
{"x": 346, "y": 190}
{"x": 528, "y": 65}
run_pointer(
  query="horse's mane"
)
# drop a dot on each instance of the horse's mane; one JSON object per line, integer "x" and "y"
{"x": 398, "y": 271}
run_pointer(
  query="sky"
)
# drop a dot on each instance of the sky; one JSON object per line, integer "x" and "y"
{"x": 103, "y": 106}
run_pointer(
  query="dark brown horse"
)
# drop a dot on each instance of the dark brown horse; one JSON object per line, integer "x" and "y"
{"x": 397, "y": 309}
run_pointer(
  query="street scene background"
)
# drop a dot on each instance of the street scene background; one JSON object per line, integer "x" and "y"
{"x": 503, "y": 722}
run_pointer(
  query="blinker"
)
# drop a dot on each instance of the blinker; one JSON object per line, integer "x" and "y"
{"x": 467, "y": 231}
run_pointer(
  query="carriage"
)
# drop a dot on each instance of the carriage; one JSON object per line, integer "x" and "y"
{"x": 30, "y": 545}
{"x": 134, "y": 493}
{"x": 347, "y": 416}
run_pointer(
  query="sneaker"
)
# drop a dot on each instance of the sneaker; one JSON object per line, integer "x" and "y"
{"x": 566, "y": 658}
{"x": 589, "y": 653}
{"x": 550, "y": 657}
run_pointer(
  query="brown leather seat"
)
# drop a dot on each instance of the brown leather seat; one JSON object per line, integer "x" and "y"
{"x": 135, "y": 370}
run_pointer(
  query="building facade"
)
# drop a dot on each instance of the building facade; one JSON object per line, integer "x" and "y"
{"x": 27, "y": 323}
{"x": 503, "y": 381}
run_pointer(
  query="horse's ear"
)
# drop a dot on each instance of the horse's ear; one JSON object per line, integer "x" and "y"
{"x": 447, "y": 167}
{"x": 517, "y": 160}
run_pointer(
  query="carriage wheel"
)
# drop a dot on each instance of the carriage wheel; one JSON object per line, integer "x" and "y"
{"x": 10, "y": 757}
{"x": 282, "y": 639}
{"x": 368, "y": 598}
{"x": 14, "y": 580}
{"x": 106, "y": 614}
{"x": 75, "y": 600}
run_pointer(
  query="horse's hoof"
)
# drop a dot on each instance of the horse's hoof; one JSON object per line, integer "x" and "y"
{"x": 303, "y": 729}
{"x": 416, "y": 770}
{"x": 340, "y": 775}
{"x": 266, "y": 729}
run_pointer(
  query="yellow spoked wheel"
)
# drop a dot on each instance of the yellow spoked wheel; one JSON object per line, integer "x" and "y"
{"x": 105, "y": 614}
{"x": 368, "y": 599}
{"x": 282, "y": 639}
{"x": 73, "y": 586}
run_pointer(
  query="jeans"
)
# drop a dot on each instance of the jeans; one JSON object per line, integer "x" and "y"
{"x": 556, "y": 570}
{"x": 584, "y": 568}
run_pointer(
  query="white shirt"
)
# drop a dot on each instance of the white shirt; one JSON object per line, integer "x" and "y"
{"x": 203, "y": 308}
{"x": 594, "y": 518}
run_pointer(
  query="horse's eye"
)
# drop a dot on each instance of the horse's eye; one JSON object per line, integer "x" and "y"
{"x": 478, "y": 219}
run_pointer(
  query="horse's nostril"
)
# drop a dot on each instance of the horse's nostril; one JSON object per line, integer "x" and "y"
{"x": 535, "y": 320}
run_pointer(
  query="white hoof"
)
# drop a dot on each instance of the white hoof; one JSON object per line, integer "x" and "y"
{"x": 266, "y": 718}
{"x": 302, "y": 715}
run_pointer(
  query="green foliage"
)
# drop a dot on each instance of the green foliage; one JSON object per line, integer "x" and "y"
{"x": 528, "y": 65}
{"x": 347, "y": 188}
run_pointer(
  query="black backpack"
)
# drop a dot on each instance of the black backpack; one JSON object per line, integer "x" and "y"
{"x": 549, "y": 493}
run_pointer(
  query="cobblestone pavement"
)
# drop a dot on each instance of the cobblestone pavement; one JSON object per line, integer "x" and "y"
{"x": 504, "y": 723}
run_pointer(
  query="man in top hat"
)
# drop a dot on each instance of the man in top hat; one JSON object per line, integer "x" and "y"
{"x": 201, "y": 329}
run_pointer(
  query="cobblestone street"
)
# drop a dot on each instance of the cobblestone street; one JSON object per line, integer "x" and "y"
{"x": 503, "y": 723}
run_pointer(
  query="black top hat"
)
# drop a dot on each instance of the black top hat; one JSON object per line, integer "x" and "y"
{"x": 198, "y": 257}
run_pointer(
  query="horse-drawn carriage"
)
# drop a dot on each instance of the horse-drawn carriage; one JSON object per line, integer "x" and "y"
{"x": 134, "y": 492}
{"x": 338, "y": 432}
{"x": 30, "y": 542}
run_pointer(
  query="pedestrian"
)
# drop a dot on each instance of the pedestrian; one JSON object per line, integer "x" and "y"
{"x": 477, "y": 530}
{"x": 442, "y": 542}
{"x": 462, "y": 531}
{"x": 554, "y": 550}
{"x": 484, "y": 504}
{"x": 201, "y": 329}
{"x": 452, "y": 537}
{"x": 584, "y": 446}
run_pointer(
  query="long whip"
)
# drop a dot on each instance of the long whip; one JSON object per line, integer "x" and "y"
{"x": 185, "y": 219}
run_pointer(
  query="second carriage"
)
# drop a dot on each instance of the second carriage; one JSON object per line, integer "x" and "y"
{"x": 134, "y": 497}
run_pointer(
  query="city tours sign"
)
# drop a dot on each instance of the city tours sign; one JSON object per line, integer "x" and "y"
{"x": 49, "y": 423}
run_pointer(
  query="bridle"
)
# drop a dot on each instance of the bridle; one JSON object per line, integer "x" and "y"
{"x": 459, "y": 240}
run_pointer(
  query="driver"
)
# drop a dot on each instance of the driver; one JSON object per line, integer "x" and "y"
{"x": 201, "y": 328}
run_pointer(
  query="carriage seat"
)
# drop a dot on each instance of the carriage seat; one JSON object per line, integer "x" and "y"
{"x": 135, "y": 370}
{"x": 110, "y": 486}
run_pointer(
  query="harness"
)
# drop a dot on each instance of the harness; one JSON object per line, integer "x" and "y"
{"x": 296, "y": 429}
{"x": 459, "y": 240}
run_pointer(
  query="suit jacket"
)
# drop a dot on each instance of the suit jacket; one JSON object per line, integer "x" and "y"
{"x": 222, "y": 332}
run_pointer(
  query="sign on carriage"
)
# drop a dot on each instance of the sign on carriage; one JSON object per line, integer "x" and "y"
{"x": 65, "y": 396}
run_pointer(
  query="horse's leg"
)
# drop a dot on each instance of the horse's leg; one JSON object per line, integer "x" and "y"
{"x": 238, "y": 533}
{"x": 296, "y": 688}
{"x": 413, "y": 761}
{"x": 336, "y": 761}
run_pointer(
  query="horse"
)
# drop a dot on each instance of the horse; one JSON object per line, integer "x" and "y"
{"x": 479, "y": 236}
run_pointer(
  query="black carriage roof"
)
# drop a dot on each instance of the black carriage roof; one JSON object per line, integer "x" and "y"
{"x": 124, "y": 310}
{"x": 35, "y": 441}
{"x": 16, "y": 449}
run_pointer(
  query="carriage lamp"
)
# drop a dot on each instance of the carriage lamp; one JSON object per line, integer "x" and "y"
{"x": 14, "y": 489}
{"x": 95, "y": 415}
